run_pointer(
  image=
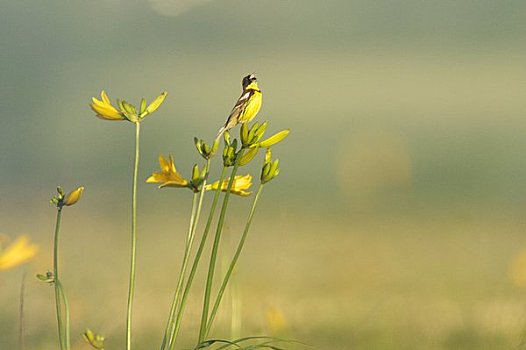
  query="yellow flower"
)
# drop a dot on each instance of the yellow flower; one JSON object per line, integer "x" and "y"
{"x": 19, "y": 252}
{"x": 240, "y": 186}
{"x": 276, "y": 321}
{"x": 74, "y": 196}
{"x": 168, "y": 177}
{"x": 104, "y": 108}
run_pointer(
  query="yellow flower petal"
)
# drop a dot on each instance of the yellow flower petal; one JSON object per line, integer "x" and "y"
{"x": 239, "y": 187}
{"x": 105, "y": 97}
{"x": 104, "y": 109}
{"x": 168, "y": 176}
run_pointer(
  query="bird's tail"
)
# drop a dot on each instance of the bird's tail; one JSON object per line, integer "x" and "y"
{"x": 221, "y": 132}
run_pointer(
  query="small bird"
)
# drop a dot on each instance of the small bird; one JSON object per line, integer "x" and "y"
{"x": 247, "y": 105}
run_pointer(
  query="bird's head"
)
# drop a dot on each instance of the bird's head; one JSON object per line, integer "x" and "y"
{"x": 249, "y": 82}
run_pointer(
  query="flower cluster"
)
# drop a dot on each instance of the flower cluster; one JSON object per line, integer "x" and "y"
{"x": 126, "y": 111}
{"x": 61, "y": 199}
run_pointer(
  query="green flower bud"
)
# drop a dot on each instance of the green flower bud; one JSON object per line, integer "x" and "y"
{"x": 248, "y": 156}
{"x": 227, "y": 137}
{"x": 270, "y": 168}
{"x": 243, "y": 133}
{"x": 229, "y": 154}
{"x": 128, "y": 110}
{"x": 47, "y": 278}
{"x": 274, "y": 139}
{"x": 258, "y": 134}
{"x": 204, "y": 149}
{"x": 251, "y": 133}
{"x": 95, "y": 340}
{"x": 143, "y": 106}
{"x": 152, "y": 107}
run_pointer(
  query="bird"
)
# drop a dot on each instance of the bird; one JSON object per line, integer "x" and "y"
{"x": 247, "y": 105}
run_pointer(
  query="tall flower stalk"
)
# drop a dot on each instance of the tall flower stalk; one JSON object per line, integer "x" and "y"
{"x": 131, "y": 287}
{"x": 215, "y": 248}
{"x": 126, "y": 111}
{"x": 250, "y": 138}
{"x": 170, "y": 177}
{"x": 61, "y": 301}
{"x": 180, "y": 311}
{"x": 232, "y": 264}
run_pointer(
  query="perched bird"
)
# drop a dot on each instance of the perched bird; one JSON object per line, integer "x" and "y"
{"x": 247, "y": 105}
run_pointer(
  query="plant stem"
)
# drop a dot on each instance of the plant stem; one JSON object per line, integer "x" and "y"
{"x": 233, "y": 262}
{"x": 21, "y": 345}
{"x": 55, "y": 279}
{"x": 66, "y": 314}
{"x": 131, "y": 290}
{"x": 215, "y": 248}
{"x": 195, "y": 264}
{"x": 178, "y": 290}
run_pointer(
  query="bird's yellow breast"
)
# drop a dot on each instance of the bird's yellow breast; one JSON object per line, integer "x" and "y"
{"x": 253, "y": 106}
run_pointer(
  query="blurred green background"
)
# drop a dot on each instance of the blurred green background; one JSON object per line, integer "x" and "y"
{"x": 398, "y": 219}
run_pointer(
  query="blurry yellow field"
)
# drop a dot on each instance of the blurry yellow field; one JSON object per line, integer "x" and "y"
{"x": 436, "y": 282}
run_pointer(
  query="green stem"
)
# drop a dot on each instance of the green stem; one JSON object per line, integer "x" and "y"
{"x": 21, "y": 329}
{"x": 66, "y": 314}
{"x": 178, "y": 298}
{"x": 197, "y": 258}
{"x": 178, "y": 290}
{"x": 55, "y": 278}
{"x": 131, "y": 290}
{"x": 233, "y": 262}
{"x": 215, "y": 248}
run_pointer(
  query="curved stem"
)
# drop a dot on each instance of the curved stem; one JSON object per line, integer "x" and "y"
{"x": 195, "y": 264}
{"x": 55, "y": 279}
{"x": 215, "y": 248}
{"x": 233, "y": 262}
{"x": 131, "y": 290}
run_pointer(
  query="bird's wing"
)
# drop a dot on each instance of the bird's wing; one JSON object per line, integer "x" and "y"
{"x": 238, "y": 108}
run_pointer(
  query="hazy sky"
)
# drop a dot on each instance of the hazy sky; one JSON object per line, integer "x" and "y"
{"x": 427, "y": 95}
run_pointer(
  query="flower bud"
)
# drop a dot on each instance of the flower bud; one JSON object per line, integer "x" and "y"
{"x": 95, "y": 340}
{"x": 248, "y": 156}
{"x": 270, "y": 168}
{"x": 274, "y": 139}
{"x": 73, "y": 197}
{"x": 152, "y": 107}
{"x": 46, "y": 278}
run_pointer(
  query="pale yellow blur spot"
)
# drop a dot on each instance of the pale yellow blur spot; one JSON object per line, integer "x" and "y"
{"x": 17, "y": 253}
{"x": 517, "y": 269}
{"x": 276, "y": 322}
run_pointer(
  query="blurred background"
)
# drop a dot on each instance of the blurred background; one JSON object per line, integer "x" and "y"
{"x": 397, "y": 221}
